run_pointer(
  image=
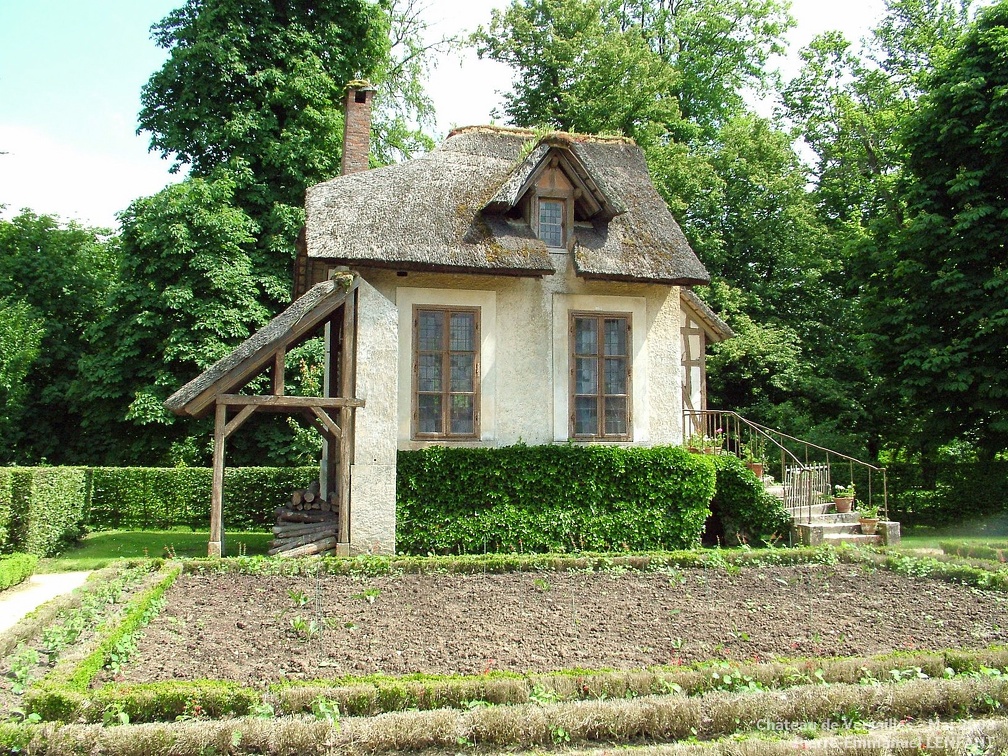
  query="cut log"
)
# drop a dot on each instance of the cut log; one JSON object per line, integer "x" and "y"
{"x": 305, "y": 517}
{"x": 285, "y": 545}
{"x": 315, "y": 547}
{"x": 297, "y": 497}
{"x": 295, "y": 529}
{"x": 309, "y": 497}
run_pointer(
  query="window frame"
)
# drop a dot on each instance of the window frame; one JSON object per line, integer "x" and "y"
{"x": 572, "y": 353}
{"x": 445, "y": 434}
{"x": 561, "y": 200}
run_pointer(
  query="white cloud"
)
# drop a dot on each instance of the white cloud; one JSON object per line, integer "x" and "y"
{"x": 52, "y": 177}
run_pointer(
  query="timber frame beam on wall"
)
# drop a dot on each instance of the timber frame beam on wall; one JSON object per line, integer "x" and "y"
{"x": 330, "y": 304}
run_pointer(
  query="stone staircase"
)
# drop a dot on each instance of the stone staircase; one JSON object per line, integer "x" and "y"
{"x": 823, "y": 525}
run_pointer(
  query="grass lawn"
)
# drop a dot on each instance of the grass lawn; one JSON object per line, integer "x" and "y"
{"x": 96, "y": 550}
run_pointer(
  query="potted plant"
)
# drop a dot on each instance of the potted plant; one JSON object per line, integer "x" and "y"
{"x": 752, "y": 455}
{"x": 695, "y": 443}
{"x": 843, "y": 497}
{"x": 713, "y": 444}
{"x": 869, "y": 519}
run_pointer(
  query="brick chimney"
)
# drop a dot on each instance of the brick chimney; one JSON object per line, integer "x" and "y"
{"x": 357, "y": 126}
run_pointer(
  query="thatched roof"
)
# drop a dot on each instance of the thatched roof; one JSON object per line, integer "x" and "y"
{"x": 256, "y": 353}
{"x": 445, "y": 210}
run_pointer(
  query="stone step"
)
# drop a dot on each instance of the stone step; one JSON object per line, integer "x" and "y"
{"x": 816, "y": 509}
{"x": 856, "y": 538}
{"x": 839, "y": 528}
{"x": 824, "y": 518}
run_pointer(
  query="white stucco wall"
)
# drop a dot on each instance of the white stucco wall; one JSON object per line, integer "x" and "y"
{"x": 524, "y": 350}
{"x": 523, "y": 363}
{"x": 373, "y": 472}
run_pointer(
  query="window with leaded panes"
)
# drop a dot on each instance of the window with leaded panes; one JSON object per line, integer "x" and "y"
{"x": 551, "y": 222}
{"x": 600, "y": 376}
{"x": 445, "y": 372}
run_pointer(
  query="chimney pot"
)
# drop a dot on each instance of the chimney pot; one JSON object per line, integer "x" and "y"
{"x": 357, "y": 127}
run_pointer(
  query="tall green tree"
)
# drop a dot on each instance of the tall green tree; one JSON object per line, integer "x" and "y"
{"x": 187, "y": 291}
{"x": 571, "y": 56}
{"x": 937, "y": 296}
{"x": 718, "y": 49}
{"x": 262, "y": 82}
{"x": 576, "y": 69}
{"x": 21, "y": 333}
{"x": 56, "y": 275}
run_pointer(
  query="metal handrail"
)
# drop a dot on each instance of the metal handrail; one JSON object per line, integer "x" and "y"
{"x": 727, "y": 426}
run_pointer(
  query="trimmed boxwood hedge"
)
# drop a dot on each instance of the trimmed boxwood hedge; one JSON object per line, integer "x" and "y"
{"x": 15, "y": 569}
{"x": 47, "y": 508}
{"x": 5, "y": 508}
{"x": 553, "y": 498}
{"x": 164, "y": 497}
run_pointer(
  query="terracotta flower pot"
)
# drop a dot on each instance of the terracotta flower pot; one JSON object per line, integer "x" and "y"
{"x": 843, "y": 504}
{"x": 869, "y": 525}
{"x": 756, "y": 467}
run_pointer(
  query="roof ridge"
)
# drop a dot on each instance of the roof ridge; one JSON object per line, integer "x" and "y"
{"x": 548, "y": 137}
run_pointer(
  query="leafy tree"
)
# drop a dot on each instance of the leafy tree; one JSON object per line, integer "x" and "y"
{"x": 21, "y": 335}
{"x": 847, "y": 105}
{"x": 187, "y": 291}
{"x": 584, "y": 64}
{"x": 577, "y": 70}
{"x": 261, "y": 82}
{"x": 937, "y": 298}
{"x": 718, "y": 48}
{"x": 57, "y": 276}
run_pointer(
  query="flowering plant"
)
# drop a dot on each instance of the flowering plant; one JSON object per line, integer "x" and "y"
{"x": 844, "y": 492}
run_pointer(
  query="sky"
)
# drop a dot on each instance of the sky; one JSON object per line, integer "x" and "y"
{"x": 71, "y": 74}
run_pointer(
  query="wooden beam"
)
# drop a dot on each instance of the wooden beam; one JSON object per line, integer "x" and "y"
{"x": 237, "y": 420}
{"x": 216, "y": 548}
{"x": 278, "y": 371}
{"x": 328, "y": 422}
{"x": 265, "y": 401}
{"x": 348, "y": 374}
{"x": 253, "y": 365}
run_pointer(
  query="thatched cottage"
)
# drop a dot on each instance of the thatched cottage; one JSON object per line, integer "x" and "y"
{"x": 509, "y": 286}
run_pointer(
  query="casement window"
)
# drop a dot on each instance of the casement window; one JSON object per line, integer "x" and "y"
{"x": 446, "y": 372}
{"x": 551, "y": 224}
{"x": 600, "y": 372}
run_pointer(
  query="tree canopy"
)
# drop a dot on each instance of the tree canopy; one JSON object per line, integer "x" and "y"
{"x": 938, "y": 290}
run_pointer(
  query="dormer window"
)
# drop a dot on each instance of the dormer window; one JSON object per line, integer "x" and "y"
{"x": 551, "y": 222}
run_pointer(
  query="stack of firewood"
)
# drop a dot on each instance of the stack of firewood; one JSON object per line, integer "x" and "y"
{"x": 306, "y": 525}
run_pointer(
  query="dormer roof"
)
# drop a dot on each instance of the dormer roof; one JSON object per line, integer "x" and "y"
{"x": 597, "y": 199}
{"x": 447, "y": 210}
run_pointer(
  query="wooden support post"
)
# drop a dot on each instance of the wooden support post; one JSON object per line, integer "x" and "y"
{"x": 348, "y": 372}
{"x": 330, "y": 388}
{"x": 278, "y": 371}
{"x": 216, "y": 546}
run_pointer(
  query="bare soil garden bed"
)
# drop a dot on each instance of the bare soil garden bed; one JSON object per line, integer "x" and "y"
{"x": 257, "y": 629}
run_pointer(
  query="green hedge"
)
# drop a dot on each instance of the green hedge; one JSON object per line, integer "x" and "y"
{"x": 950, "y": 492}
{"x": 550, "y": 498}
{"x": 742, "y": 510}
{"x": 15, "y": 569}
{"x": 164, "y": 497}
{"x": 47, "y": 508}
{"x": 5, "y": 508}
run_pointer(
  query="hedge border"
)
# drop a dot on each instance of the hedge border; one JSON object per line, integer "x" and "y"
{"x": 15, "y": 569}
{"x": 372, "y": 695}
{"x": 61, "y": 690}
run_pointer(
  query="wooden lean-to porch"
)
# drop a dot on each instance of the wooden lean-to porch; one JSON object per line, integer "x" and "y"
{"x": 329, "y": 307}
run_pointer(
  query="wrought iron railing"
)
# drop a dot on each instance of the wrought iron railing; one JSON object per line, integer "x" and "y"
{"x": 807, "y": 472}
